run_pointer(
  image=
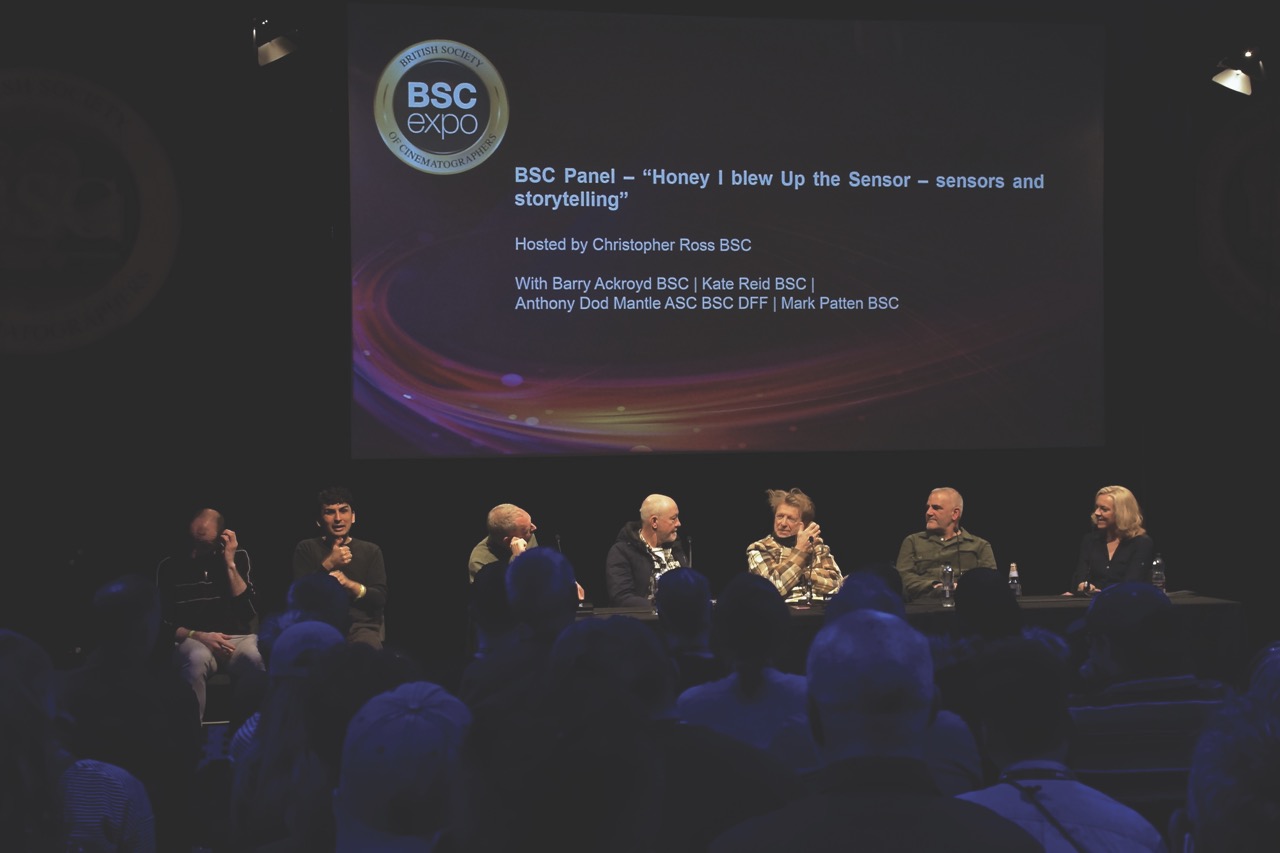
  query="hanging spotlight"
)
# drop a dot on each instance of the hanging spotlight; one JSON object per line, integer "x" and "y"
{"x": 275, "y": 37}
{"x": 1241, "y": 71}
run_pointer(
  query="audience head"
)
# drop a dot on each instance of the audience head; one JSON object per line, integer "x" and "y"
{"x": 986, "y": 607}
{"x": 1132, "y": 633}
{"x": 126, "y": 614}
{"x": 400, "y": 758}
{"x": 542, "y": 591}
{"x": 487, "y": 603}
{"x": 866, "y": 590}
{"x": 887, "y": 572}
{"x": 1233, "y": 789}
{"x": 346, "y": 676}
{"x": 616, "y": 661}
{"x": 26, "y": 733}
{"x": 683, "y": 601}
{"x": 1021, "y": 690}
{"x": 1263, "y": 674}
{"x": 1115, "y": 508}
{"x": 795, "y": 499}
{"x": 28, "y": 676}
{"x": 319, "y": 596}
{"x": 749, "y": 623}
{"x": 871, "y": 688}
{"x": 299, "y": 647}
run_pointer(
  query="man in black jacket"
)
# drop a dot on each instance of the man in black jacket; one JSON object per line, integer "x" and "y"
{"x": 644, "y": 550}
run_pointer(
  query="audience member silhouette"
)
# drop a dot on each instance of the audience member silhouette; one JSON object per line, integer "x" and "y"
{"x": 1233, "y": 787}
{"x": 612, "y": 768}
{"x": 128, "y": 706}
{"x": 1262, "y": 674}
{"x": 987, "y": 614}
{"x": 543, "y": 596}
{"x": 346, "y": 677}
{"x": 871, "y": 695}
{"x": 313, "y": 597}
{"x": 400, "y": 759}
{"x": 504, "y": 688}
{"x": 488, "y": 611}
{"x": 684, "y": 606}
{"x": 1143, "y": 707}
{"x": 865, "y": 589}
{"x": 49, "y": 800}
{"x": 1022, "y": 709}
{"x": 950, "y": 748}
{"x": 280, "y": 791}
{"x": 749, "y": 628}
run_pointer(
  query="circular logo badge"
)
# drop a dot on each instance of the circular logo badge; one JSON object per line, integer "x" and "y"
{"x": 441, "y": 107}
{"x": 88, "y": 212}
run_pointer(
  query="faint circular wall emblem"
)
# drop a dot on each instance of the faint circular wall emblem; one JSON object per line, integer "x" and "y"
{"x": 441, "y": 107}
{"x": 88, "y": 212}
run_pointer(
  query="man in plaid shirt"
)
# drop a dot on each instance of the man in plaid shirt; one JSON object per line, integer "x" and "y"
{"x": 795, "y": 553}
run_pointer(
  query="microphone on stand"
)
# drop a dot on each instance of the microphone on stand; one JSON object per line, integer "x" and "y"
{"x": 689, "y": 550}
{"x": 558, "y": 548}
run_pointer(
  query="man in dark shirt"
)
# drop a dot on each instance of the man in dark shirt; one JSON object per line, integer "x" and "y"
{"x": 356, "y": 564}
{"x": 209, "y": 605}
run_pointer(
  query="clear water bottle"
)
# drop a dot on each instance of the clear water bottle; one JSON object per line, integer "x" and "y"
{"x": 1157, "y": 573}
{"x": 1014, "y": 583}
{"x": 948, "y": 586}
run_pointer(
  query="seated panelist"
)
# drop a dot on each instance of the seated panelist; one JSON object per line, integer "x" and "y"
{"x": 942, "y": 542}
{"x": 1117, "y": 547}
{"x": 794, "y": 555}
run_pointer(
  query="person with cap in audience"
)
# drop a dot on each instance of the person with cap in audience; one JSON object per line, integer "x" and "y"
{"x": 399, "y": 769}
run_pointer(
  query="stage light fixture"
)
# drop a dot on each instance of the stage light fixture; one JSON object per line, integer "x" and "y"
{"x": 275, "y": 37}
{"x": 1241, "y": 72}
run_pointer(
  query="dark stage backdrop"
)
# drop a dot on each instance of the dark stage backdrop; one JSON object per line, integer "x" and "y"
{"x": 220, "y": 372}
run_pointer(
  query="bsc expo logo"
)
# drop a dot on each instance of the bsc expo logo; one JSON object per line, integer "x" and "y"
{"x": 441, "y": 107}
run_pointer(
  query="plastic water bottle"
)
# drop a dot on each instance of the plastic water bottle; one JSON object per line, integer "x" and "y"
{"x": 1157, "y": 573}
{"x": 1014, "y": 584}
{"x": 948, "y": 586}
